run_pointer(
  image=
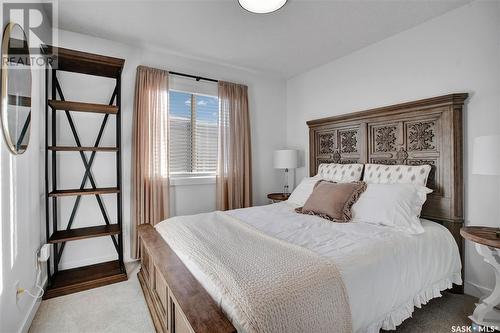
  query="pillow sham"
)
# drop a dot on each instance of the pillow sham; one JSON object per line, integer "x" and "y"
{"x": 393, "y": 205}
{"x": 392, "y": 174}
{"x": 333, "y": 201}
{"x": 302, "y": 192}
{"x": 340, "y": 173}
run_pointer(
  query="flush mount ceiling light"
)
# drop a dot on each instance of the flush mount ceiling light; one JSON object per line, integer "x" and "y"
{"x": 262, "y": 6}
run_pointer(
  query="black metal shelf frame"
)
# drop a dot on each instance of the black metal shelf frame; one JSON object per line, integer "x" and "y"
{"x": 56, "y": 91}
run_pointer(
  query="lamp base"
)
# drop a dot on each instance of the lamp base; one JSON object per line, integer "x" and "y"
{"x": 285, "y": 187}
{"x": 286, "y": 192}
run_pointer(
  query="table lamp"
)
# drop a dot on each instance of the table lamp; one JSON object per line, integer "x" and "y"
{"x": 285, "y": 159}
{"x": 486, "y": 157}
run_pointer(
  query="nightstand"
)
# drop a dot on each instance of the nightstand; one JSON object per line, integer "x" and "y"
{"x": 488, "y": 246}
{"x": 277, "y": 197}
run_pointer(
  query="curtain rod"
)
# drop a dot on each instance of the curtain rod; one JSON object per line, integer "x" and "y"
{"x": 197, "y": 78}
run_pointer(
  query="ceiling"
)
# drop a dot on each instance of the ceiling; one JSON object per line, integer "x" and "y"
{"x": 302, "y": 35}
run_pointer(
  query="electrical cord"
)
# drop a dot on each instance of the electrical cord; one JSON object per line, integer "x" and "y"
{"x": 37, "y": 285}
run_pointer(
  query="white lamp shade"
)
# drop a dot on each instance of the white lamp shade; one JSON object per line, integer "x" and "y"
{"x": 285, "y": 159}
{"x": 486, "y": 155}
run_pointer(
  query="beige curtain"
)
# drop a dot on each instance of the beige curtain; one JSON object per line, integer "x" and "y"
{"x": 234, "y": 173}
{"x": 150, "y": 150}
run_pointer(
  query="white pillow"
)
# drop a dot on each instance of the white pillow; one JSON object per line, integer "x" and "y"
{"x": 340, "y": 173}
{"x": 302, "y": 192}
{"x": 393, "y": 205}
{"x": 391, "y": 174}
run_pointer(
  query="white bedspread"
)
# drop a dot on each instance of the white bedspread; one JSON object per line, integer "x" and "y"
{"x": 386, "y": 272}
{"x": 269, "y": 285}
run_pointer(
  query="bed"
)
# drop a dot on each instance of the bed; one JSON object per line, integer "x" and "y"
{"x": 385, "y": 273}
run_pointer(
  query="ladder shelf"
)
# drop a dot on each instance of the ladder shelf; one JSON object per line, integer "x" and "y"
{"x": 63, "y": 282}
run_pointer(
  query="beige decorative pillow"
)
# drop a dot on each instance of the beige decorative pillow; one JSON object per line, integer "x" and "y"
{"x": 341, "y": 173}
{"x": 333, "y": 201}
{"x": 396, "y": 174}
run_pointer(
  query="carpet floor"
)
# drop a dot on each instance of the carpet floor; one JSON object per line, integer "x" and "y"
{"x": 118, "y": 307}
{"x": 440, "y": 315}
{"x": 121, "y": 308}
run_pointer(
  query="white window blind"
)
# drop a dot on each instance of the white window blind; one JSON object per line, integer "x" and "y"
{"x": 193, "y": 133}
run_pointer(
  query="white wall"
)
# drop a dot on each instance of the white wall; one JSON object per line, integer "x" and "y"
{"x": 22, "y": 228}
{"x": 189, "y": 199}
{"x": 267, "y": 110}
{"x": 457, "y": 52}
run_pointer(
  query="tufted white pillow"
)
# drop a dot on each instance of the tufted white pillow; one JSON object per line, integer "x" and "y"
{"x": 340, "y": 173}
{"x": 396, "y": 174}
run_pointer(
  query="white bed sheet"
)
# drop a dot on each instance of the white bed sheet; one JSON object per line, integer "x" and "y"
{"x": 386, "y": 272}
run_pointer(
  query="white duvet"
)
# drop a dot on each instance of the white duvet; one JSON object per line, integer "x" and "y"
{"x": 386, "y": 272}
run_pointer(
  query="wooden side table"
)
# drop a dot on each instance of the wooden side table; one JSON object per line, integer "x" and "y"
{"x": 488, "y": 246}
{"x": 277, "y": 197}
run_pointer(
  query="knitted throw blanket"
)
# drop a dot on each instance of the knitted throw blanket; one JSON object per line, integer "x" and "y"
{"x": 267, "y": 285}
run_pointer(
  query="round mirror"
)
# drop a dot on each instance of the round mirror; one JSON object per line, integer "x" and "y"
{"x": 16, "y": 88}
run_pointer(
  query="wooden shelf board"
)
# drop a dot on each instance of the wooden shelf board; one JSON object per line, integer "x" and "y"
{"x": 82, "y": 278}
{"x": 85, "y": 63}
{"x": 83, "y": 233}
{"x": 69, "y": 148}
{"x": 82, "y": 107}
{"x": 87, "y": 191}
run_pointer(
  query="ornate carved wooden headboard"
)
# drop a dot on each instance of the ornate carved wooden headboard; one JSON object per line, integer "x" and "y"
{"x": 427, "y": 131}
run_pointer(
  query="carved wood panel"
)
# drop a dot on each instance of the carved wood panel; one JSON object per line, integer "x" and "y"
{"x": 338, "y": 145}
{"x": 407, "y": 141}
{"x": 421, "y": 135}
{"x": 326, "y": 143}
{"x": 422, "y": 132}
{"x": 348, "y": 141}
{"x": 384, "y": 138}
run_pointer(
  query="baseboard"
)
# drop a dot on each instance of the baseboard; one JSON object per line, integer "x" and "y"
{"x": 28, "y": 319}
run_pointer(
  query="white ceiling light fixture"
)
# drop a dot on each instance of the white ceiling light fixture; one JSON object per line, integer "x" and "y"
{"x": 262, "y": 6}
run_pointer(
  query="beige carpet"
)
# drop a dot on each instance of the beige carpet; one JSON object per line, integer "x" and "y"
{"x": 440, "y": 314}
{"x": 121, "y": 308}
{"x": 118, "y": 307}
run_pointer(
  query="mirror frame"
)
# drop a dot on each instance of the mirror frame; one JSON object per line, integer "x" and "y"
{"x": 4, "y": 88}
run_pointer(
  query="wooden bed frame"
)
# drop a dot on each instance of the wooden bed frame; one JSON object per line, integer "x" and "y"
{"x": 427, "y": 131}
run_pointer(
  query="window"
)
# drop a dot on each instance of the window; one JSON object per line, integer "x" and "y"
{"x": 193, "y": 133}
